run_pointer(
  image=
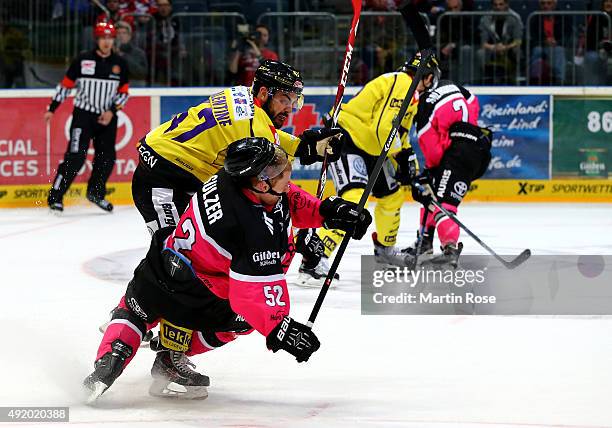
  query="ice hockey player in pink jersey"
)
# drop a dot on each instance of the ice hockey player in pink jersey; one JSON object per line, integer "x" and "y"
{"x": 221, "y": 272}
{"x": 456, "y": 150}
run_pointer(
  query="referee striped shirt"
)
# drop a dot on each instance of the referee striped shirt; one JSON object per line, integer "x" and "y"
{"x": 101, "y": 84}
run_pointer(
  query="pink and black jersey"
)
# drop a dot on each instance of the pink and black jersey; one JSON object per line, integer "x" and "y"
{"x": 438, "y": 110}
{"x": 240, "y": 250}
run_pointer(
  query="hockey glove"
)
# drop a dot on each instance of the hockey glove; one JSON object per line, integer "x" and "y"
{"x": 315, "y": 142}
{"x": 309, "y": 245}
{"x": 293, "y": 337}
{"x": 340, "y": 214}
{"x": 406, "y": 166}
{"x": 421, "y": 188}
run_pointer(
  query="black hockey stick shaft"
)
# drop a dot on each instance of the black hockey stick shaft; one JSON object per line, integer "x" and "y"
{"x": 415, "y": 22}
{"x": 521, "y": 258}
{"x": 420, "y": 239}
{"x": 346, "y": 65}
{"x": 369, "y": 186}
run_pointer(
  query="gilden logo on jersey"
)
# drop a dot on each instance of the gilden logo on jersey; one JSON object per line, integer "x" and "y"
{"x": 266, "y": 258}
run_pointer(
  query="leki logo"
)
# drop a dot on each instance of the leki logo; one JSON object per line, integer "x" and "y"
{"x": 124, "y": 135}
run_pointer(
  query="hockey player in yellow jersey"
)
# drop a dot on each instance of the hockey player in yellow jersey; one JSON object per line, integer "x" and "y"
{"x": 181, "y": 154}
{"x": 366, "y": 121}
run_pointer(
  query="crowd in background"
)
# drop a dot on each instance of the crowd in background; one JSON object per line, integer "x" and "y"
{"x": 473, "y": 48}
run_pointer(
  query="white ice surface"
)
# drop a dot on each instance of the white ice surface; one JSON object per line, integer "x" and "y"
{"x": 374, "y": 371}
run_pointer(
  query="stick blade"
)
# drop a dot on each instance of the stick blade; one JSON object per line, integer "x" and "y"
{"x": 415, "y": 22}
{"x": 518, "y": 260}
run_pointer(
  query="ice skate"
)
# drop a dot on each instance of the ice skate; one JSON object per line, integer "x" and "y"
{"x": 107, "y": 369}
{"x": 56, "y": 208}
{"x": 426, "y": 251}
{"x": 102, "y": 203}
{"x": 173, "y": 377}
{"x": 314, "y": 277}
{"x": 390, "y": 256}
{"x": 56, "y": 205}
{"x": 449, "y": 259}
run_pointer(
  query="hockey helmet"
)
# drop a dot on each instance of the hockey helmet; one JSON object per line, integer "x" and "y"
{"x": 104, "y": 29}
{"x": 278, "y": 76}
{"x": 255, "y": 157}
{"x": 431, "y": 67}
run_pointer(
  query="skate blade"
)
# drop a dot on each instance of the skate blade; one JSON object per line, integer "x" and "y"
{"x": 164, "y": 389}
{"x": 96, "y": 392}
{"x": 307, "y": 281}
{"x": 56, "y": 213}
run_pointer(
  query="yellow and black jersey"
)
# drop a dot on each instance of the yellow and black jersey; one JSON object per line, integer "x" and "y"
{"x": 196, "y": 140}
{"x": 368, "y": 116}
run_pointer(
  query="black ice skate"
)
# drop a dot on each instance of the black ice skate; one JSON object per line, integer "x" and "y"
{"x": 107, "y": 369}
{"x": 102, "y": 203}
{"x": 426, "y": 251}
{"x": 390, "y": 256}
{"x": 56, "y": 208}
{"x": 314, "y": 276}
{"x": 173, "y": 377}
{"x": 449, "y": 259}
{"x": 55, "y": 204}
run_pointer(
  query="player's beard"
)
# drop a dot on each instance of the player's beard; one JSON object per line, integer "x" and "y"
{"x": 279, "y": 119}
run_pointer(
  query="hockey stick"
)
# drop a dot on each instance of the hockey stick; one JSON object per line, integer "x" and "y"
{"x": 48, "y": 155}
{"x": 340, "y": 91}
{"x": 40, "y": 79}
{"x": 414, "y": 21}
{"x": 420, "y": 239}
{"x": 518, "y": 260}
{"x": 397, "y": 120}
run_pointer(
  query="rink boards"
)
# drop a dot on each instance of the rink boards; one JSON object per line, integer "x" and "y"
{"x": 550, "y": 145}
{"x": 481, "y": 191}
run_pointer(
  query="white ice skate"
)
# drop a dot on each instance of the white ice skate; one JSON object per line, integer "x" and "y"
{"x": 173, "y": 377}
{"x": 314, "y": 277}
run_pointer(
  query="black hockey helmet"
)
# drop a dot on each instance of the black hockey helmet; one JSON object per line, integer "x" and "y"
{"x": 255, "y": 157}
{"x": 431, "y": 67}
{"x": 276, "y": 75}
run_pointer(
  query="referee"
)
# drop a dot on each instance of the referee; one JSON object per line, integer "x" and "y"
{"x": 101, "y": 81}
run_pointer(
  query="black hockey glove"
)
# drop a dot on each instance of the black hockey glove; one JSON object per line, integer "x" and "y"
{"x": 421, "y": 188}
{"x": 406, "y": 166}
{"x": 340, "y": 214}
{"x": 314, "y": 143}
{"x": 293, "y": 337}
{"x": 309, "y": 245}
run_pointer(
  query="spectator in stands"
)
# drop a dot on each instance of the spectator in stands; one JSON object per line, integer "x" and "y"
{"x": 380, "y": 36}
{"x": 132, "y": 54}
{"x": 456, "y": 45}
{"x": 548, "y": 57}
{"x": 14, "y": 47}
{"x": 501, "y": 38}
{"x": 116, "y": 14}
{"x": 169, "y": 49}
{"x": 248, "y": 53}
{"x": 598, "y": 48}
